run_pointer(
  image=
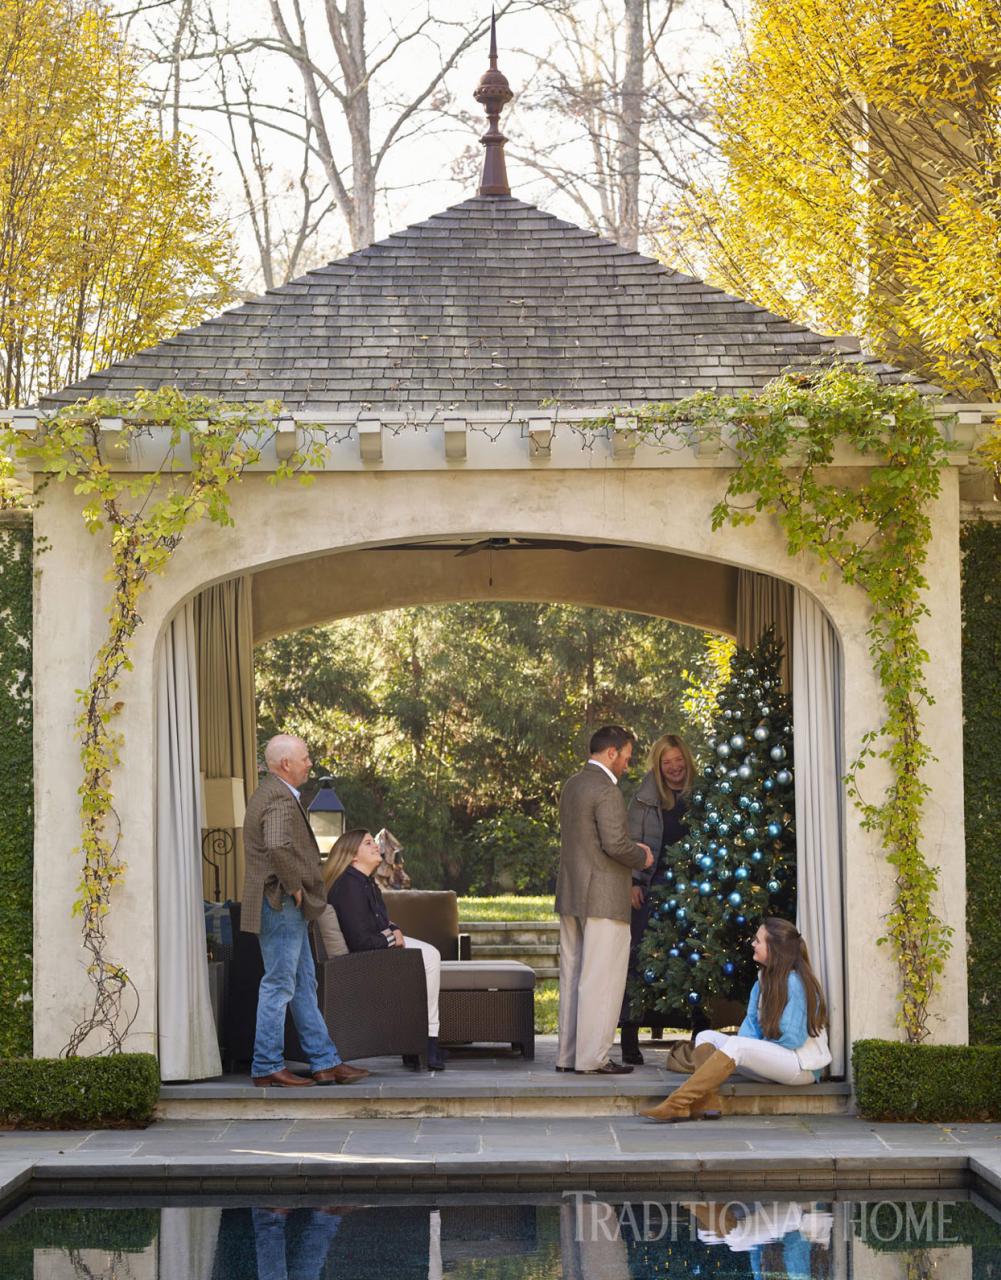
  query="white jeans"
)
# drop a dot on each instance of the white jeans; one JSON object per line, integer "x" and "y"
{"x": 761, "y": 1058}
{"x": 432, "y": 972}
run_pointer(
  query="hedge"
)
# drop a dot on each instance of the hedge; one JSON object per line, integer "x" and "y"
{"x": 112, "y": 1231}
{"x": 79, "y": 1093}
{"x": 930, "y": 1082}
{"x": 16, "y": 790}
{"x": 982, "y": 773}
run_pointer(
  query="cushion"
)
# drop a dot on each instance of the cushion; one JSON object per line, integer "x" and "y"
{"x": 328, "y": 932}
{"x": 430, "y": 915}
{"x": 486, "y": 975}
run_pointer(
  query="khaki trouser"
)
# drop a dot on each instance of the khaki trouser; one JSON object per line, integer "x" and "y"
{"x": 594, "y": 957}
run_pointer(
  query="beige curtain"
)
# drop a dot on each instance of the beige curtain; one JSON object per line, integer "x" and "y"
{"x": 227, "y": 713}
{"x": 762, "y": 602}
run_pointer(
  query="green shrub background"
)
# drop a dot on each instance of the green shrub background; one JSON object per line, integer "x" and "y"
{"x": 982, "y": 773}
{"x": 16, "y": 790}
{"x": 79, "y": 1093}
{"x": 927, "y": 1082}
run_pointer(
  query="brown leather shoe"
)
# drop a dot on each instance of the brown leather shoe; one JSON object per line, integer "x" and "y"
{"x": 343, "y": 1073}
{"x": 285, "y": 1079}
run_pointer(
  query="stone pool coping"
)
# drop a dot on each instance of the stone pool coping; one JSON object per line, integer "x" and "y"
{"x": 827, "y": 1154}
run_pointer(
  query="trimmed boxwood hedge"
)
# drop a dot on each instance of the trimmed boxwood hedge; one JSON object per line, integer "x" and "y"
{"x": 982, "y": 773}
{"x": 79, "y": 1093}
{"x": 932, "y": 1082}
{"x": 16, "y": 789}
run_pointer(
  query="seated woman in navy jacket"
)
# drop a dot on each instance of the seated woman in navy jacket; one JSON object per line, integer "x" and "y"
{"x": 361, "y": 912}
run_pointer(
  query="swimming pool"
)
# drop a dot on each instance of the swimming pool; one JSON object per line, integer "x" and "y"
{"x": 578, "y": 1235}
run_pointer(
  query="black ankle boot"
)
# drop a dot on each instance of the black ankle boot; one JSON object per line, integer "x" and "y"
{"x": 436, "y": 1056}
{"x": 630, "y": 1041}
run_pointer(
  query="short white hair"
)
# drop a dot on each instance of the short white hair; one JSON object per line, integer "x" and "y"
{"x": 280, "y": 747}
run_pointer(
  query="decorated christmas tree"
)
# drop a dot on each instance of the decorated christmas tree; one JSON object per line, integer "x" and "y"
{"x": 738, "y": 863}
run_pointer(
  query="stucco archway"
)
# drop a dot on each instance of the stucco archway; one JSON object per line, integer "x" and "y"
{"x": 661, "y": 511}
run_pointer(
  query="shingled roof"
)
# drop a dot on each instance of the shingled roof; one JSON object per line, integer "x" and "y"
{"x": 490, "y": 304}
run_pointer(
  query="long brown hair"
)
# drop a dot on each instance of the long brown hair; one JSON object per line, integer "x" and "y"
{"x": 342, "y": 855}
{"x": 665, "y": 743}
{"x": 787, "y": 952}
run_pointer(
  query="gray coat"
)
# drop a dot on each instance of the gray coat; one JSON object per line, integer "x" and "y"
{"x": 646, "y": 823}
{"x": 596, "y": 853}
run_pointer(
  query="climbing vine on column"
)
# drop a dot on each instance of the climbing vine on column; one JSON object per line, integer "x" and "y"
{"x": 872, "y": 527}
{"x": 201, "y": 449}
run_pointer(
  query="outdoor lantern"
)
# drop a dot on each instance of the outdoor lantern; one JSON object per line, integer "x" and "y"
{"x": 326, "y": 815}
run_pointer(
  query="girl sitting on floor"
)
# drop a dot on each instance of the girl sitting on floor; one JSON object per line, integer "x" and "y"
{"x": 782, "y": 1039}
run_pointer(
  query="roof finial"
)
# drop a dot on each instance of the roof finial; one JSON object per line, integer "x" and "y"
{"x": 493, "y": 93}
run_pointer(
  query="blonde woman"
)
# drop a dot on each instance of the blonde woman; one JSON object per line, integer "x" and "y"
{"x": 361, "y": 912}
{"x": 656, "y": 818}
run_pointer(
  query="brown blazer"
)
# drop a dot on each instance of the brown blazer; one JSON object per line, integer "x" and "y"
{"x": 597, "y": 854}
{"x": 282, "y": 855}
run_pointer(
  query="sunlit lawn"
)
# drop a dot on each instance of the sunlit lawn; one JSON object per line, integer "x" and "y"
{"x": 508, "y": 907}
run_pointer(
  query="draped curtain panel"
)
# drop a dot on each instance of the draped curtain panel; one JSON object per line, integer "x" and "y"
{"x": 820, "y": 798}
{"x": 226, "y": 703}
{"x": 187, "y": 1040}
{"x": 762, "y": 602}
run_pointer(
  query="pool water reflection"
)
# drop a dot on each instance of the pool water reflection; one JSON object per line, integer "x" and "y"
{"x": 579, "y": 1236}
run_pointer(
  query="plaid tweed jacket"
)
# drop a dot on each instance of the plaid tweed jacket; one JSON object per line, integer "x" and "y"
{"x": 282, "y": 855}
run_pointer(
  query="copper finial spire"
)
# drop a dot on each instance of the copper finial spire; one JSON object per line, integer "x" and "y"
{"x": 493, "y": 93}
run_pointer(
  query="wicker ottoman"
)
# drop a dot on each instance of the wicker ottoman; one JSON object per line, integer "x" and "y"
{"x": 488, "y": 1001}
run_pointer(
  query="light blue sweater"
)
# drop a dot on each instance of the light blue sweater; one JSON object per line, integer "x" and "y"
{"x": 793, "y": 1028}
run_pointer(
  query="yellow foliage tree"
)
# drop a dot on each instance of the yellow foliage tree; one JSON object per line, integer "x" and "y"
{"x": 108, "y": 241}
{"x": 862, "y": 188}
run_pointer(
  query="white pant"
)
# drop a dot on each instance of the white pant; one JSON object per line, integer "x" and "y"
{"x": 761, "y": 1058}
{"x": 594, "y": 957}
{"x": 432, "y": 972}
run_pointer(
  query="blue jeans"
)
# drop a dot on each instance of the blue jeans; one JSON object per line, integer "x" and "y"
{"x": 289, "y": 979}
{"x": 288, "y": 1248}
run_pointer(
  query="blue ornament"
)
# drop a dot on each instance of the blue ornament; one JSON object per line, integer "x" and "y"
{"x": 783, "y": 777}
{"x": 745, "y": 802}
{"x": 740, "y": 920}
{"x": 735, "y": 899}
{"x": 687, "y": 846}
{"x": 725, "y": 787}
{"x": 649, "y": 976}
{"x": 721, "y": 851}
{"x": 745, "y": 773}
{"x": 755, "y": 807}
{"x": 712, "y": 819}
{"x": 729, "y": 968}
{"x": 706, "y": 862}
{"x": 777, "y": 752}
{"x": 698, "y": 799}
{"x": 694, "y": 997}
{"x": 712, "y": 846}
{"x": 750, "y": 833}
{"x": 673, "y": 952}
{"x": 723, "y": 750}
{"x": 761, "y": 733}
{"x": 707, "y": 772}
{"x": 694, "y": 957}
{"x": 741, "y": 873}
{"x": 705, "y": 888}
{"x": 681, "y": 914}
{"x": 671, "y": 903}
{"x": 756, "y": 855}
{"x": 738, "y": 742}
{"x": 774, "y": 830}
{"x": 768, "y": 784}
{"x": 773, "y": 886}
{"x": 724, "y": 828}
{"x": 681, "y": 886}
{"x": 707, "y": 827}
{"x": 669, "y": 874}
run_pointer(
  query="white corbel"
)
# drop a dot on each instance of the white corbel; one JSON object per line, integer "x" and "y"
{"x": 455, "y": 439}
{"x": 370, "y": 439}
{"x": 540, "y": 438}
{"x": 625, "y": 438}
{"x": 965, "y": 429}
{"x": 112, "y": 441}
{"x": 286, "y": 439}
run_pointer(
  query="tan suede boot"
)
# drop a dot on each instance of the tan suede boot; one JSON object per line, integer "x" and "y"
{"x": 698, "y": 1097}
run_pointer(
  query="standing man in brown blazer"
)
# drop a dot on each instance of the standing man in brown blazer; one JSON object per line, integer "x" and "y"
{"x": 283, "y": 891}
{"x": 597, "y": 858}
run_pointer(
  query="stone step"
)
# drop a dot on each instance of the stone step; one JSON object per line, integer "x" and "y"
{"x": 491, "y": 932}
{"x": 512, "y": 950}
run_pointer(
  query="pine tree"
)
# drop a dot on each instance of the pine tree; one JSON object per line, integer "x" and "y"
{"x": 738, "y": 863}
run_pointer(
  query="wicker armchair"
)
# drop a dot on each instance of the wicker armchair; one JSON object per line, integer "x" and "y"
{"x": 373, "y": 1002}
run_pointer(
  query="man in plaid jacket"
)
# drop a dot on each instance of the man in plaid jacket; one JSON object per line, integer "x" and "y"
{"x": 282, "y": 892}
